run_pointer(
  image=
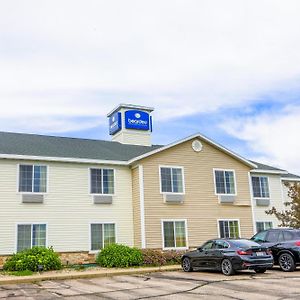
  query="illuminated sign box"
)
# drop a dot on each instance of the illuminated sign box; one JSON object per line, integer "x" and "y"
{"x": 115, "y": 123}
{"x": 137, "y": 119}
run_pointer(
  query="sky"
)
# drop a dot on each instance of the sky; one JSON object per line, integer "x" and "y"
{"x": 227, "y": 69}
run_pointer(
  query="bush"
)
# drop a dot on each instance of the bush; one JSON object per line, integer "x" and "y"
{"x": 153, "y": 257}
{"x": 161, "y": 258}
{"x": 173, "y": 257}
{"x": 30, "y": 259}
{"x": 121, "y": 256}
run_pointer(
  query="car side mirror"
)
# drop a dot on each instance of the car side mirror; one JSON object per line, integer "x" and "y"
{"x": 200, "y": 249}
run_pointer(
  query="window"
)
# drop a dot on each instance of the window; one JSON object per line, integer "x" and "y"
{"x": 171, "y": 180}
{"x": 29, "y": 235}
{"x": 174, "y": 234}
{"x": 32, "y": 179}
{"x": 225, "y": 182}
{"x": 102, "y": 181}
{"x": 102, "y": 235}
{"x": 260, "y": 187}
{"x": 221, "y": 244}
{"x": 229, "y": 229}
{"x": 260, "y": 226}
{"x": 273, "y": 236}
{"x": 291, "y": 235}
{"x": 260, "y": 237}
{"x": 208, "y": 246}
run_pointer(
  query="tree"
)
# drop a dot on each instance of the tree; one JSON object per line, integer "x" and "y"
{"x": 291, "y": 216}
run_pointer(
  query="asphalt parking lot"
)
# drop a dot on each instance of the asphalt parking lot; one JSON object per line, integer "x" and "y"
{"x": 167, "y": 285}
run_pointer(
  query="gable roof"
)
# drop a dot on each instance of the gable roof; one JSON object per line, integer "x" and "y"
{"x": 201, "y": 136}
{"x": 55, "y": 148}
{"x": 267, "y": 169}
{"x": 33, "y": 145}
{"x": 290, "y": 177}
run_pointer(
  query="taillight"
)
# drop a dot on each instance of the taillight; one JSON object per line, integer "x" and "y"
{"x": 269, "y": 251}
{"x": 297, "y": 243}
{"x": 242, "y": 252}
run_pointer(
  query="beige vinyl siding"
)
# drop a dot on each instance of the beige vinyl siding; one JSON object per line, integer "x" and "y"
{"x": 201, "y": 207}
{"x": 136, "y": 207}
{"x": 68, "y": 208}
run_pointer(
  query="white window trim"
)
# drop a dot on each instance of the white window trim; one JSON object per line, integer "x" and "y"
{"x": 29, "y": 223}
{"x": 260, "y": 176}
{"x": 183, "y": 179}
{"x": 32, "y": 164}
{"x": 90, "y": 234}
{"x": 215, "y": 183}
{"x": 238, "y": 220}
{"x": 186, "y": 234}
{"x": 90, "y": 181}
{"x": 263, "y": 221}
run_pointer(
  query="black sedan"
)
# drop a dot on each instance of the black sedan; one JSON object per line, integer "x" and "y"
{"x": 228, "y": 256}
{"x": 284, "y": 244}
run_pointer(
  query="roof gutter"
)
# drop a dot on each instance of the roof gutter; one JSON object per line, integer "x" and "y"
{"x": 64, "y": 159}
{"x": 269, "y": 171}
{"x": 289, "y": 179}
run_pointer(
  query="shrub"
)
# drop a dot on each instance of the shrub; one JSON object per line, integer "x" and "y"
{"x": 121, "y": 256}
{"x": 173, "y": 257}
{"x": 161, "y": 258}
{"x": 153, "y": 257}
{"x": 30, "y": 259}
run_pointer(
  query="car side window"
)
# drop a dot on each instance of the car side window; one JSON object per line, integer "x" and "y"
{"x": 260, "y": 237}
{"x": 221, "y": 245}
{"x": 280, "y": 237}
{"x": 208, "y": 245}
{"x": 288, "y": 236}
{"x": 273, "y": 236}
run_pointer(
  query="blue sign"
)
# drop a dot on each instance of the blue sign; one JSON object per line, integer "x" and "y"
{"x": 137, "y": 119}
{"x": 115, "y": 123}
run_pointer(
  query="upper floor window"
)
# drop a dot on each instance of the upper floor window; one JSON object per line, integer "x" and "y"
{"x": 260, "y": 186}
{"x": 33, "y": 178}
{"x": 225, "y": 182}
{"x": 102, "y": 181}
{"x": 171, "y": 180}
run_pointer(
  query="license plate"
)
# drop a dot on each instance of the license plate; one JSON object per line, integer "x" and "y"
{"x": 260, "y": 253}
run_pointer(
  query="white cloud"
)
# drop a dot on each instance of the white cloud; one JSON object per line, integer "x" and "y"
{"x": 273, "y": 137}
{"x": 70, "y": 59}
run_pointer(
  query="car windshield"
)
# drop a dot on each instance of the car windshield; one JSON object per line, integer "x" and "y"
{"x": 244, "y": 243}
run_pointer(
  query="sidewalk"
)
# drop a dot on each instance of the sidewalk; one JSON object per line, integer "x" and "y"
{"x": 89, "y": 273}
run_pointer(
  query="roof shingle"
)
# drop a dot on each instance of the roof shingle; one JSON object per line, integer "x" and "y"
{"x": 53, "y": 146}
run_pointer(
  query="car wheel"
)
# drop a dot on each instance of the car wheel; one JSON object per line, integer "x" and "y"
{"x": 260, "y": 270}
{"x": 186, "y": 265}
{"x": 227, "y": 268}
{"x": 286, "y": 262}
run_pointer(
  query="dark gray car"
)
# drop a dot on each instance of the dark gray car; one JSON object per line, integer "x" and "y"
{"x": 228, "y": 256}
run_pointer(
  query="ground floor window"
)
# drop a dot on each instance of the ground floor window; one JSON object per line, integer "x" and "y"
{"x": 229, "y": 229}
{"x": 260, "y": 226}
{"x": 29, "y": 235}
{"x": 174, "y": 234}
{"x": 102, "y": 235}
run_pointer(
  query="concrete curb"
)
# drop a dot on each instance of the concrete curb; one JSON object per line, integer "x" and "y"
{"x": 85, "y": 274}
